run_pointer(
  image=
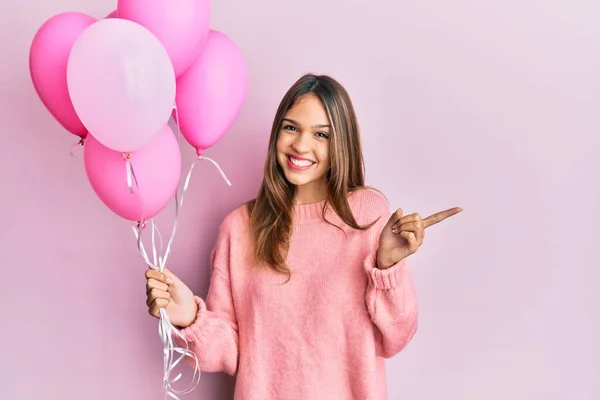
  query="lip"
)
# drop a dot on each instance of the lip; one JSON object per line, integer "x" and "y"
{"x": 296, "y": 167}
{"x": 297, "y": 157}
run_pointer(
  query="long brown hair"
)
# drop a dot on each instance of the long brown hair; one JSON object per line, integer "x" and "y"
{"x": 271, "y": 211}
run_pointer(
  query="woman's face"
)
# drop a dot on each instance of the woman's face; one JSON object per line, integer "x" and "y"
{"x": 303, "y": 147}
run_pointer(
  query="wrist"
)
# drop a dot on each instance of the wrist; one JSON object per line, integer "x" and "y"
{"x": 384, "y": 262}
{"x": 191, "y": 318}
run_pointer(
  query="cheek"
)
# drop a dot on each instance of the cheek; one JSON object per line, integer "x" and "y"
{"x": 323, "y": 156}
{"x": 282, "y": 143}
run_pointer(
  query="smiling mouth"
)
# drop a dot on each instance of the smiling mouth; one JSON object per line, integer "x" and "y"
{"x": 298, "y": 164}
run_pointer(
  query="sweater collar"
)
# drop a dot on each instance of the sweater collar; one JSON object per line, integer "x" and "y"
{"x": 313, "y": 212}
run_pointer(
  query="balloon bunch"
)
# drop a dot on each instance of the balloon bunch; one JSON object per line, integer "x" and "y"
{"x": 116, "y": 83}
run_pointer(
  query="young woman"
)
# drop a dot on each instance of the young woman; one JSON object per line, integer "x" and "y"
{"x": 310, "y": 290}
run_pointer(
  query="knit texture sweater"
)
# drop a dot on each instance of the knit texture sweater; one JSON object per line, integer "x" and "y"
{"x": 326, "y": 333}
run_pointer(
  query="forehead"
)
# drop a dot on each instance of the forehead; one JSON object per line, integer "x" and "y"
{"x": 308, "y": 110}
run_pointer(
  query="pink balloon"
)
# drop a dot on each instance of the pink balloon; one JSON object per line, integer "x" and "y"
{"x": 157, "y": 168}
{"x": 48, "y": 58}
{"x": 121, "y": 82}
{"x": 211, "y": 93}
{"x": 181, "y": 25}
{"x": 112, "y": 14}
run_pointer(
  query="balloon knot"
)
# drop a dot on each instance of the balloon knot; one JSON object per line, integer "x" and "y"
{"x": 141, "y": 225}
{"x": 126, "y": 156}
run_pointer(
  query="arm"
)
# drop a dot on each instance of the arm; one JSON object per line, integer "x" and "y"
{"x": 213, "y": 336}
{"x": 390, "y": 297}
{"x": 392, "y": 304}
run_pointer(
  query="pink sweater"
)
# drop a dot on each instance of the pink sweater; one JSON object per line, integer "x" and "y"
{"x": 324, "y": 335}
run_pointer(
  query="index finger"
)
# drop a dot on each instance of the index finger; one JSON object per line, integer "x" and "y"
{"x": 153, "y": 274}
{"x": 440, "y": 216}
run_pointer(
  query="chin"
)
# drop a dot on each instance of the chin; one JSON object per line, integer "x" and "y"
{"x": 296, "y": 181}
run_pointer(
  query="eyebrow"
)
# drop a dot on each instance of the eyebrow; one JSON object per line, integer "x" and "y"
{"x": 314, "y": 126}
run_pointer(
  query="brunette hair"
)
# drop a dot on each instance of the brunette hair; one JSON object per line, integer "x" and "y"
{"x": 271, "y": 211}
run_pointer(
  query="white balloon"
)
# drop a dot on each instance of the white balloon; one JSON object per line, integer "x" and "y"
{"x": 121, "y": 82}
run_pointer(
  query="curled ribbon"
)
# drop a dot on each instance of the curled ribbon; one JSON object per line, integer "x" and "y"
{"x": 173, "y": 355}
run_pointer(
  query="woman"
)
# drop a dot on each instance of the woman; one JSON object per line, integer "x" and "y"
{"x": 310, "y": 290}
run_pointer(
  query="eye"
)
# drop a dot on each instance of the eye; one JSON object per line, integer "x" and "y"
{"x": 322, "y": 135}
{"x": 289, "y": 128}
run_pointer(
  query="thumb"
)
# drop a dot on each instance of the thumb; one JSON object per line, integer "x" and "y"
{"x": 394, "y": 218}
{"x": 171, "y": 275}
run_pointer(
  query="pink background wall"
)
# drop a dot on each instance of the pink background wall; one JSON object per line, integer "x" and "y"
{"x": 492, "y": 107}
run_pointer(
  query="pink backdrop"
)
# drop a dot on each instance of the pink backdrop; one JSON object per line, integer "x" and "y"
{"x": 490, "y": 107}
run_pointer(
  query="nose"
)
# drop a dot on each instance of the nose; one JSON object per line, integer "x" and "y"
{"x": 301, "y": 143}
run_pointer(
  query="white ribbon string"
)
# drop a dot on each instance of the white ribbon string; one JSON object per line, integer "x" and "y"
{"x": 129, "y": 174}
{"x": 156, "y": 232}
{"x": 173, "y": 355}
{"x": 202, "y": 157}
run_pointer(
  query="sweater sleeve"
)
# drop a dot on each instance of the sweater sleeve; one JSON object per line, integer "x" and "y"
{"x": 390, "y": 297}
{"x": 213, "y": 337}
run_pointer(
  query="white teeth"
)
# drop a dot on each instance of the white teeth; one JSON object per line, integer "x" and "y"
{"x": 301, "y": 163}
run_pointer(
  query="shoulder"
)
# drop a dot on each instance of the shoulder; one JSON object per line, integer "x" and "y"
{"x": 369, "y": 202}
{"x": 235, "y": 222}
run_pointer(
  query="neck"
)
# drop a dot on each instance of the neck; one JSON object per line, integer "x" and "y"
{"x": 313, "y": 192}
